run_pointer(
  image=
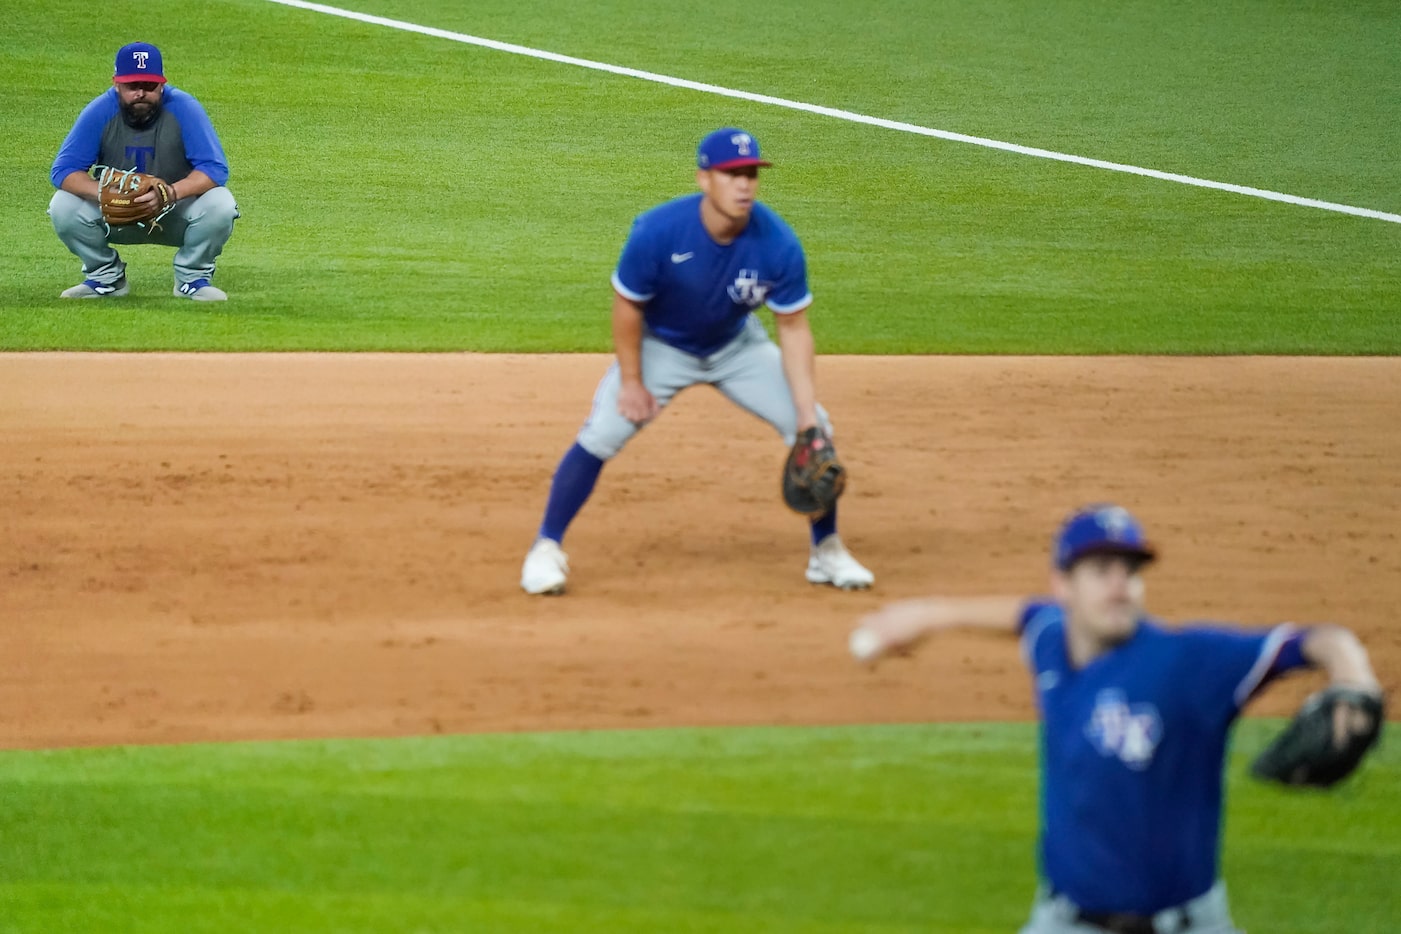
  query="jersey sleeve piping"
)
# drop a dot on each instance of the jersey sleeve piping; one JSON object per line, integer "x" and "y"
{"x": 791, "y": 307}
{"x": 1264, "y": 662}
{"x": 1035, "y": 627}
{"x": 626, "y": 292}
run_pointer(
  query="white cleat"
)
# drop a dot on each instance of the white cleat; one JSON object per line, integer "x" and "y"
{"x": 831, "y": 563}
{"x": 545, "y": 569}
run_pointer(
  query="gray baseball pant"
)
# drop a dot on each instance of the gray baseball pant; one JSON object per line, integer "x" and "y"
{"x": 197, "y": 227}
{"x": 748, "y": 370}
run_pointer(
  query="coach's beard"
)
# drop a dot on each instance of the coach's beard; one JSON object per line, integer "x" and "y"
{"x": 141, "y": 114}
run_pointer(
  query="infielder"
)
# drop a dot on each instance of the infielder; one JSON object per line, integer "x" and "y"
{"x": 146, "y": 125}
{"x": 1135, "y": 720}
{"x": 691, "y": 275}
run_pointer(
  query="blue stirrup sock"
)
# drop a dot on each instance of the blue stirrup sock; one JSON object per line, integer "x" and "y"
{"x": 824, "y": 525}
{"x": 574, "y": 480}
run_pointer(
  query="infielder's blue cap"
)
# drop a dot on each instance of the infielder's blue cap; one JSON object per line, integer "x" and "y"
{"x": 138, "y": 61}
{"x": 1101, "y": 529}
{"x": 728, "y": 148}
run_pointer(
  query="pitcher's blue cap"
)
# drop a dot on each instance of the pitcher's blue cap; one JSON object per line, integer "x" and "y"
{"x": 138, "y": 61}
{"x": 1101, "y": 529}
{"x": 728, "y": 148}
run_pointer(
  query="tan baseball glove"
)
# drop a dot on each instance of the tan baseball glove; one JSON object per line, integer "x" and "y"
{"x": 119, "y": 191}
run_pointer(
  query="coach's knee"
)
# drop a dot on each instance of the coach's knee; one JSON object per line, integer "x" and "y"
{"x": 216, "y": 208}
{"x": 73, "y": 216}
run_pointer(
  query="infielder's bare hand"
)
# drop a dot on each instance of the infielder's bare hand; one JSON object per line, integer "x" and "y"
{"x": 636, "y": 404}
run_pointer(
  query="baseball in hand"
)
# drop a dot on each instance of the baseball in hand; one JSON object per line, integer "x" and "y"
{"x": 865, "y": 644}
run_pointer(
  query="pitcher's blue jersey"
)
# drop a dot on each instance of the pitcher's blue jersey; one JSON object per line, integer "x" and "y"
{"x": 698, "y": 294}
{"x": 1133, "y": 747}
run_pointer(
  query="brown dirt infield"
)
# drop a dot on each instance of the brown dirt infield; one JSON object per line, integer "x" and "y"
{"x": 212, "y": 547}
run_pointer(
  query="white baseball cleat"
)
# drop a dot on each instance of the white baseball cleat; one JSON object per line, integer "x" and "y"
{"x": 545, "y": 569}
{"x": 831, "y": 563}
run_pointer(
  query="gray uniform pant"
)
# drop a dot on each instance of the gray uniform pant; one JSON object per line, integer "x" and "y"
{"x": 748, "y": 370}
{"x": 1208, "y": 914}
{"x": 197, "y": 227}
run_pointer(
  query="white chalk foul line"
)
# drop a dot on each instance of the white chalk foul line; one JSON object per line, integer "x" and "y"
{"x": 842, "y": 114}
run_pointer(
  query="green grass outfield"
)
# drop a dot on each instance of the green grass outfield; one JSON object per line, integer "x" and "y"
{"x": 408, "y": 192}
{"x": 894, "y": 828}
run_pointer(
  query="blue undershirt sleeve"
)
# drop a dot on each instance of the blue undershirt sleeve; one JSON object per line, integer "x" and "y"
{"x": 84, "y": 141}
{"x": 202, "y": 146}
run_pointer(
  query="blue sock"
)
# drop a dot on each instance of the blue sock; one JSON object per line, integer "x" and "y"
{"x": 574, "y": 480}
{"x": 824, "y": 526}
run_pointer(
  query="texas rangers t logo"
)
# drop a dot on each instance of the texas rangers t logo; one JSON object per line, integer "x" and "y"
{"x": 141, "y": 156}
{"x": 1129, "y": 732}
{"x": 141, "y": 59}
{"x": 742, "y": 141}
{"x": 748, "y": 290}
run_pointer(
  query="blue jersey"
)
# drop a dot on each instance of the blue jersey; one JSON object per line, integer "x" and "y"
{"x": 697, "y": 294}
{"x": 1132, "y": 751}
{"x": 180, "y": 140}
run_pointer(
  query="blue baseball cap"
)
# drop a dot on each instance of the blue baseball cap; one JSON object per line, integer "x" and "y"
{"x": 1101, "y": 529}
{"x": 728, "y": 148}
{"x": 138, "y": 61}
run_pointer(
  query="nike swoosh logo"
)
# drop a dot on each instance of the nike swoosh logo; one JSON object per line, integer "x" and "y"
{"x": 681, "y": 257}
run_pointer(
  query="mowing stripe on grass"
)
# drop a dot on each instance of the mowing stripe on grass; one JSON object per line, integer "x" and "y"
{"x": 841, "y": 114}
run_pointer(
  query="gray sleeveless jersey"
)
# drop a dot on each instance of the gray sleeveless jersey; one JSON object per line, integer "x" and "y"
{"x": 157, "y": 149}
